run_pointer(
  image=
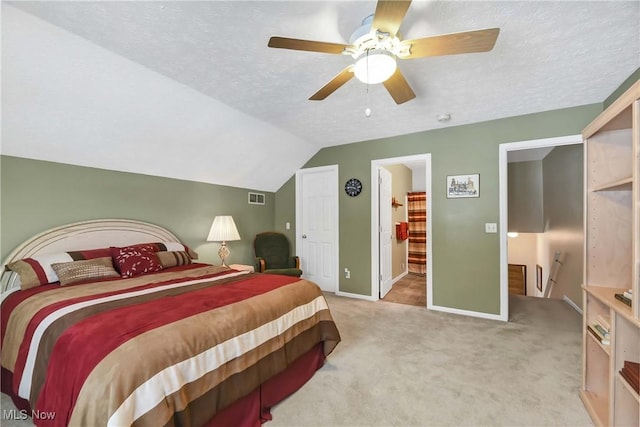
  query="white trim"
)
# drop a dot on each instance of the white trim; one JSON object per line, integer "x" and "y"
{"x": 572, "y": 304}
{"x": 375, "y": 243}
{"x": 336, "y": 215}
{"x": 503, "y": 150}
{"x": 469, "y": 313}
{"x": 356, "y": 296}
{"x": 399, "y": 277}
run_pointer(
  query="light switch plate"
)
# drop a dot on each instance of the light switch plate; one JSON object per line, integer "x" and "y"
{"x": 490, "y": 227}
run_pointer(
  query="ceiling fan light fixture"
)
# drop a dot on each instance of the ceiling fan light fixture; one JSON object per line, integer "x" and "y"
{"x": 375, "y": 66}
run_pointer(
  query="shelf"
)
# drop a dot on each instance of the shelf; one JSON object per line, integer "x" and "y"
{"x": 611, "y": 256}
{"x": 607, "y": 297}
{"x": 605, "y": 347}
{"x": 627, "y": 386}
{"x": 617, "y": 116}
{"x": 625, "y": 184}
{"x": 597, "y": 407}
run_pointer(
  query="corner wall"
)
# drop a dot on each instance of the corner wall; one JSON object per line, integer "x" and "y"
{"x": 563, "y": 214}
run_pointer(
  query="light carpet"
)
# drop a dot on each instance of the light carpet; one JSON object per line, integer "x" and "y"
{"x": 400, "y": 365}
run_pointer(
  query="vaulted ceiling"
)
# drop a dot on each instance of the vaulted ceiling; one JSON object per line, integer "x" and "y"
{"x": 242, "y": 104}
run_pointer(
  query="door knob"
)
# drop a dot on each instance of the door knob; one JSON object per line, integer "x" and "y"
{"x": 304, "y": 236}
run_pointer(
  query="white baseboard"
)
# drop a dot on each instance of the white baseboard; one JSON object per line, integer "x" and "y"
{"x": 356, "y": 296}
{"x": 466, "y": 312}
{"x": 572, "y": 304}
{"x": 400, "y": 276}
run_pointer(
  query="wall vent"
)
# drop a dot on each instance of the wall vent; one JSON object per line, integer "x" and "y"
{"x": 256, "y": 198}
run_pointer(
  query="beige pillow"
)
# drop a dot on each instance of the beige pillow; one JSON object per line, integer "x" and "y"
{"x": 76, "y": 271}
{"x": 173, "y": 258}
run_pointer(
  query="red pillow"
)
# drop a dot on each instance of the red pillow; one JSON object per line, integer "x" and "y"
{"x": 135, "y": 260}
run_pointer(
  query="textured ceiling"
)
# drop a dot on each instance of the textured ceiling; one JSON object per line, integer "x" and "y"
{"x": 548, "y": 55}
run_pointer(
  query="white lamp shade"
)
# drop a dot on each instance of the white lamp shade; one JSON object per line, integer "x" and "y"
{"x": 375, "y": 66}
{"x": 223, "y": 229}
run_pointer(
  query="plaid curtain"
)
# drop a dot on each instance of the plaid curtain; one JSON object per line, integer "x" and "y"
{"x": 417, "y": 207}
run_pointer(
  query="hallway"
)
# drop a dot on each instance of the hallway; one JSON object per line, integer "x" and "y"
{"x": 411, "y": 290}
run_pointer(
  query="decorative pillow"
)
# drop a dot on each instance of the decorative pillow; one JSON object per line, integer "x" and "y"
{"x": 179, "y": 247}
{"x": 76, "y": 271}
{"x": 168, "y": 247}
{"x": 90, "y": 254}
{"x": 173, "y": 258}
{"x": 36, "y": 271}
{"x": 135, "y": 260}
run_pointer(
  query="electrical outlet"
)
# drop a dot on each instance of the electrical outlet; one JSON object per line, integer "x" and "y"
{"x": 347, "y": 273}
{"x": 491, "y": 227}
{"x": 287, "y": 225}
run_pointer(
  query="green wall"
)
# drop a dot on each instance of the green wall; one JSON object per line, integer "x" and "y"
{"x": 38, "y": 195}
{"x": 563, "y": 217}
{"x": 285, "y": 210}
{"x": 634, "y": 77}
{"x": 465, "y": 258}
{"x": 526, "y": 201}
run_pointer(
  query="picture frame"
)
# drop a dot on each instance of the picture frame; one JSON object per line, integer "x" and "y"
{"x": 539, "y": 277}
{"x": 463, "y": 186}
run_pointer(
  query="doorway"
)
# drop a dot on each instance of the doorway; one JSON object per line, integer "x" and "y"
{"x": 504, "y": 150}
{"x": 420, "y": 165}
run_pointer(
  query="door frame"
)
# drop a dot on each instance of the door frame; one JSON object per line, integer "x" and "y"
{"x": 336, "y": 218}
{"x": 503, "y": 152}
{"x": 382, "y": 283}
{"x": 375, "y": 223}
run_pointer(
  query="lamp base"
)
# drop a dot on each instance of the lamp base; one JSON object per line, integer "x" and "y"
{"x": 223, "y": 253}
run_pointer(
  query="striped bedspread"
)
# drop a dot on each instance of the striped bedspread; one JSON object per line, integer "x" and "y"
{"x": 172, "y": 347}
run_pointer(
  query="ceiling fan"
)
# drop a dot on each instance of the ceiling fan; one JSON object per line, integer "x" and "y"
{"x": 376, "y": 45}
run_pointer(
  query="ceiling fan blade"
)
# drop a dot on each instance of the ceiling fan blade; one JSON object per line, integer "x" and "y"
{"x": 398, "y": 88}
{"x": 389, "y": 15}
{"x": 307, "y": 45}
{"x": 453, "y": 44}
{"x": 335, "y": 83}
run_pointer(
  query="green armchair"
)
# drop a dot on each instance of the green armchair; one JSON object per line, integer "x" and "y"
{"x": 273, "y": 255}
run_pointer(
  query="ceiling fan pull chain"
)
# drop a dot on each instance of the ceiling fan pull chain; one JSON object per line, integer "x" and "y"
{"x": 367, "y": 110}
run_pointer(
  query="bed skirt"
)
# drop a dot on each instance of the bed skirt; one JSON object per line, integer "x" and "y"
{"x": 250, "y": 411}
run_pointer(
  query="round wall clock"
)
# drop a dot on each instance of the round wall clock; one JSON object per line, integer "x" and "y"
{"x": 353, "y": 187}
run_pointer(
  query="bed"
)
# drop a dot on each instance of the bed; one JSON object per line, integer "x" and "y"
{"x": 181, "y": 344}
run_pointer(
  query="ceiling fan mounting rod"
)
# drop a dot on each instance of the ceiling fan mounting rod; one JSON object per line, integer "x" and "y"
{"x": 365, "y": 38}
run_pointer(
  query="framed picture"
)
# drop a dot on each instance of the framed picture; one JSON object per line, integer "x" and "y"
{"x": 460, "y": 186}
{"x": 539, "y": 277}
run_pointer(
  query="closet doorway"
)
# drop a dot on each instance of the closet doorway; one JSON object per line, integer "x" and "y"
{"x": 420, "y": 169}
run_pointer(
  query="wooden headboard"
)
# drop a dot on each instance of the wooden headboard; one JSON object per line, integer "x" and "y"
{"x": 93, "y": 234}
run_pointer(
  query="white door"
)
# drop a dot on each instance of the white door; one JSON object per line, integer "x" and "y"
{"x": 386, "y": 235}
{"x": 317, "y": 225}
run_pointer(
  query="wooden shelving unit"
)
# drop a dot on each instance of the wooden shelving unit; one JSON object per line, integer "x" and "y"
{"x": 612, "y": 259}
